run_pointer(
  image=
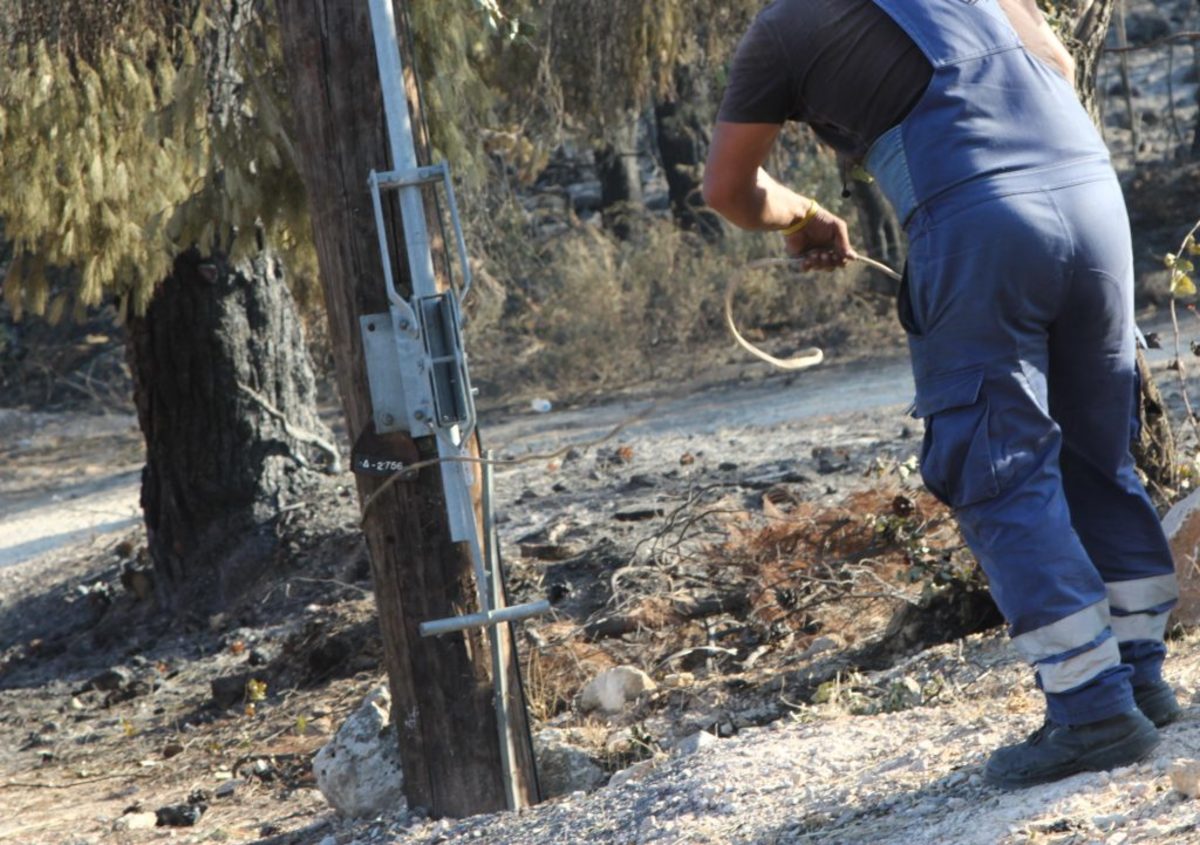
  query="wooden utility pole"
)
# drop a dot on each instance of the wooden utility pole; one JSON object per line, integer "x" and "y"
{"x": 442, "y": 687}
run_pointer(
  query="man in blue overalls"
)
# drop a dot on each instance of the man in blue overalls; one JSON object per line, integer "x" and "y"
{"x": 1017, "y": 299}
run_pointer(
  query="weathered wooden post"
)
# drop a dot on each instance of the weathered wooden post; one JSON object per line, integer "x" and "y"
{"x": 443, "y": 687}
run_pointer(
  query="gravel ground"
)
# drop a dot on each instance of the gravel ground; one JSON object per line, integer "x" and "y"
{"x": 824, "y": 776}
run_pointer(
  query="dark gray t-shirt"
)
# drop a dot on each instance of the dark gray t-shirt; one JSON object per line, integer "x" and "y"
{"x": 844, "y": 67}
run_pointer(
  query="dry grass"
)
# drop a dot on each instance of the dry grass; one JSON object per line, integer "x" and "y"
{"x": 564, "y": 305}
{"x": 592, "y": 311}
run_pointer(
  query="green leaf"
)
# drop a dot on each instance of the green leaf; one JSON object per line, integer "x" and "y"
{"x": 1182, "y": 284}
{"x": 860, "y": 173}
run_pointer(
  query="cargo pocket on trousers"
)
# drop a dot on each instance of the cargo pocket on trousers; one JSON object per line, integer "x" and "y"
{"x": 956, "y": 456}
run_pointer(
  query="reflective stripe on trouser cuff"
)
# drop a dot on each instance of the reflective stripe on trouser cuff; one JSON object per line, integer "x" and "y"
{"x": 1067, "y": 634}
{"x": 1143, "y": 593}
{"x": 1140, "y": 626}
{"x": 1070, "y": 673}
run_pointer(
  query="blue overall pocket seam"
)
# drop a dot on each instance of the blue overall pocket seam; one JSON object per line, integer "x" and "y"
{"x": 956, "y": 454}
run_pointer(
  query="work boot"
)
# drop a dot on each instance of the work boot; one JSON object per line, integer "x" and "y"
{"x": 1157, "y": 703}
{"x": 1056, "y": 751}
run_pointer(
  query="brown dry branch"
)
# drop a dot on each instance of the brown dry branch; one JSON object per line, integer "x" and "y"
{"x": 805, "y": 567}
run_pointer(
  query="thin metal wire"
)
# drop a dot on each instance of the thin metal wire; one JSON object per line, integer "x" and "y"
{"x": 807, "y": 358}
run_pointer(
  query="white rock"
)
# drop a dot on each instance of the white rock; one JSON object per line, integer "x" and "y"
{"x": 359, "y": 770}
{"x": 564, "y": 769}
{"x": 613, "y": 688}
{"x": 1185, "y": 777}
{"x": 696, "y": 742}
{"x": 1182, "y": 527}
{"x": 136, "y": 821}
{"x": 634, "y": 773}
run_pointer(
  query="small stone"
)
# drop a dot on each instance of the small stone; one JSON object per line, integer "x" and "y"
{"x": 228, "y": 788}
{"x": 109, "y": 680}
{"x": 633, "y": 774}
{"x": 564, "y": 769}
{"x": 1185, "y": 777}
{"x": 694, "y": 743}
{"x": 620, "y": 742}
{"x": 829, "y": 642}
{"x": 613, "y": 688}
{"x": 179, "y": 815}
{"x": 956, "y": 779}
{"x": 136, "y": 821}
{"x": 263, "y": 770}
{"x": 1110, "y": 822}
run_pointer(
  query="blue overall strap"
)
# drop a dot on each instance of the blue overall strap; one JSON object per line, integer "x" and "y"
{"x": 992, "y": 111}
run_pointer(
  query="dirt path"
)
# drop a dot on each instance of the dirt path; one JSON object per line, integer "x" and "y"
{"x": 67, "y": 479}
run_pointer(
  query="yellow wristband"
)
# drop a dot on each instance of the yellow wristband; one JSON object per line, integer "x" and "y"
{"x": 803, "y": 221}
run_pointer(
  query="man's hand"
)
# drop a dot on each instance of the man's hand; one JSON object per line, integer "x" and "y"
{"x": 736, "y": 186}
{"x": 823, "y": 243}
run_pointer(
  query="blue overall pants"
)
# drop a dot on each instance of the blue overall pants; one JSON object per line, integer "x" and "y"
{"x": 1018, "y": 300}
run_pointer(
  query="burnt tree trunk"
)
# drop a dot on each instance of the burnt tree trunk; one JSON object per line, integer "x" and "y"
{"x": 878, "y": 227}
{"x": 223, "y": 386}
{"x": 442, "y": 689}
{"x": 682, "y": 136}
{"x": 620, "y": 182}
{"x": 1083, "y": 28}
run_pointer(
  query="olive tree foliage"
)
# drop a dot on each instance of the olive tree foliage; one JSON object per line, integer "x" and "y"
{"x": 131, "y": 130}
{"x": 601, "y": 58}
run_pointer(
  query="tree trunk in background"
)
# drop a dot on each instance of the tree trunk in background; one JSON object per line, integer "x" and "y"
{"x": 620, "y": 182}
{"x": 682, "y": 134}
{"x": 1086, "y": 25}
{"x": 442, "y": 689}
{"x": 878, "y": 232}
{"x": 217, "y": 346}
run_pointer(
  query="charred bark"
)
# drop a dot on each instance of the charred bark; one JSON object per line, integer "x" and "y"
{"x": 226, "y": 401}
{"x": 878, "y": 228}
{"x": 620, "y": 181}
{"x": 682, "y": 136}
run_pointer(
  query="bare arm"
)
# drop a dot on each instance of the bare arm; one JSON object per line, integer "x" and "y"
{"x": 736, "y": 187}
{"x": 1039, "y": 39}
